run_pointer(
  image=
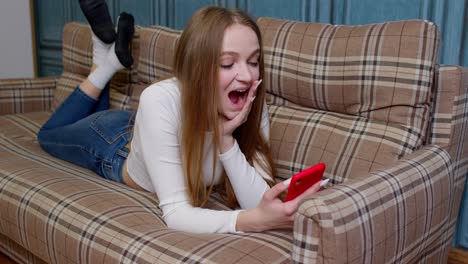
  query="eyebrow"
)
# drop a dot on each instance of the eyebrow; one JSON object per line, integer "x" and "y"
{"x": 232, "y": 53}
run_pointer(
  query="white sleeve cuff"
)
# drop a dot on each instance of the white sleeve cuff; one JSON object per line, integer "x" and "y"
{"x": 234, "y": 216}
{"x": 230, "y": 153}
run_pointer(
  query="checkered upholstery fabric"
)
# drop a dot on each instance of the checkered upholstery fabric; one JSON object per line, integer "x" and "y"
{"x": 379, "y": 71}
{"x": 354, "y": 97}
{"x": 350, "y": 146}
{"x": 157, "y": 49}
{"x": 449, "y": 115}
{"x": 26, "y": 95}
{"x": 63, "y": 213}
{"x": 399, "y": 214}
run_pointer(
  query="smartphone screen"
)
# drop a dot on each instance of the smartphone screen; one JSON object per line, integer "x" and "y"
{"x": 304, "y": 180}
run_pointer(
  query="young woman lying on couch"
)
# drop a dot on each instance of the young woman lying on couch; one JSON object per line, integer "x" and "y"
{"x": 206, "y": 126}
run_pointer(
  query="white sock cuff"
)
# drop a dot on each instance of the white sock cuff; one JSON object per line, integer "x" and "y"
{"x": 102, "y": 75}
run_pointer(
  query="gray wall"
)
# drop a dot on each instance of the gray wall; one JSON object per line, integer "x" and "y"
{"x": 16, "y": 49}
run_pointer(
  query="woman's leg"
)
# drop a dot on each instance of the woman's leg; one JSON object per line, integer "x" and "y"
{"x": 74, "y": 131}
{"x": 96, "y": 142}
{"x": 107, "y": 60}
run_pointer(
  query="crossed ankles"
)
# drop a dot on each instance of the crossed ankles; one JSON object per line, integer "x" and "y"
{"x": 111, "y": 50}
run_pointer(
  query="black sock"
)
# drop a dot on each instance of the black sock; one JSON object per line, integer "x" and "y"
{"x": 125, "y": 30}
{"x": 97, "y": 14}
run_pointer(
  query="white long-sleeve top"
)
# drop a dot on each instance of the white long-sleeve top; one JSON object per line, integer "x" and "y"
{"x": 155, "y": 164}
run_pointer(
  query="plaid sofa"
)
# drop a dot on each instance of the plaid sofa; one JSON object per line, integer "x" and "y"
{"x": 369, "y": 101}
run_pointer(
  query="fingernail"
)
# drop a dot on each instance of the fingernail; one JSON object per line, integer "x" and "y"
{"x": 287, "y": 182}
{"x": 324, "y": 182}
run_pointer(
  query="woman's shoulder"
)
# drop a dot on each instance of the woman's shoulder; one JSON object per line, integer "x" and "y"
{"x": 165, "y": 91}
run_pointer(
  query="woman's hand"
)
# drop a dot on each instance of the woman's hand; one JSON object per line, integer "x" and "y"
{"x": 271, "y": 212}
{"x": 227, "y": 126}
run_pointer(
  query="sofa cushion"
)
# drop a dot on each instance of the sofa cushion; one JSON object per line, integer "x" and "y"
{"x": 379, "y": 71}
{"x": 78, "y": 58}
{"x": 63, "y": 213}
{"x": 157, "y": 49}
{"x": 350, "y": 146}
{"x": 22, "y": 125}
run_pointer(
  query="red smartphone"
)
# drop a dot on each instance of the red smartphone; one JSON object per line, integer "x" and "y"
{"x": 304, "y": 180}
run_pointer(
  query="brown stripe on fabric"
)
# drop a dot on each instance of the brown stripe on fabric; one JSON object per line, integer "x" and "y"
{"x": 278, "y": 115}
{"x": 197, "y": 254}
{"x": 322, "y": 49}
{"x": 281, "y": 41}
{"x": 358, "y": 77}
{"x": 16, "y": 252}
{"x": 350, "y": 147}
{"x": 104, "y": 219}
{"x": 306, "y": 135}
{"x": 155, "y": 68}
{"x": 48, "y": 161}
{"x": 53, "y": 218}
{"x": 399, "y": 248}
{"x": 418, "y": 92}
{"x": 304, "y": 231}
{"x": 417, "y": 248}
{"x": 146, "y": 242}
{"x": 70, "y": 206}
{"x": 153, "y": 43}
{"x": 367, "y": 94}
{"x": 23, "y": 123}
{"x": 70, "y": 52}
{"x": 362, "y": 92}
{"x": 424, "y": 65}
{"x": 414, "y": 164}
{"x": 74, "y": 36}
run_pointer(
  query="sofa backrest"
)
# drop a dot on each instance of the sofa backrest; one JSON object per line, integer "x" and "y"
{"x": 379, "y": 71}
{"x": 77, "y": 61}
{"x": 156, "y": 52}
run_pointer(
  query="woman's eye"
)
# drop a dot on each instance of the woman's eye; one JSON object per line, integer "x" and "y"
{"x": 254, "y": 63}
{"x": 226, "y": 66}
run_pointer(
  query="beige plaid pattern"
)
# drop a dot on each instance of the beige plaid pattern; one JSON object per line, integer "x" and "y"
{"x": 63, "y": 213}
{"x": 26, "y": 95}
{"x": 397, "y": 161}
{"x": 380, "y": 71}
{"x": 399, "y": 214}
{"x": 157, "y": 49}
{"x": 17, "y": 253}
{"x": 449, "y": 118}
{"x": 350, "y": 146}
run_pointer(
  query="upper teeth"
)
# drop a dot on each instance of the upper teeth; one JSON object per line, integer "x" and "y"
{"x": 240, "y": 91}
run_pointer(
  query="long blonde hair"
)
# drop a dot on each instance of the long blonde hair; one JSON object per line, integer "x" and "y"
{"x": 196, "y": 66}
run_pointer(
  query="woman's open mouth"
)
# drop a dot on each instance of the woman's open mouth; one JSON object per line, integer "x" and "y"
{"x": 238, "y": 97}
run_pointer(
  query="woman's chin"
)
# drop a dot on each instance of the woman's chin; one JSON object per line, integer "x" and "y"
{"x": 229, "y": 115}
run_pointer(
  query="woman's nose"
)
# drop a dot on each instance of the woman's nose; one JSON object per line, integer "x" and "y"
{"x": 244, "y": 74}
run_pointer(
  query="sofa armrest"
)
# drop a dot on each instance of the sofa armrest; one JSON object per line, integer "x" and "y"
{"x": 449, "y": 114}
{"x": 26, "y": 95}
{"x": 402, "y": 213}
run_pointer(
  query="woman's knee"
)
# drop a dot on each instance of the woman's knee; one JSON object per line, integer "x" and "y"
{"x": 42, "y": 136}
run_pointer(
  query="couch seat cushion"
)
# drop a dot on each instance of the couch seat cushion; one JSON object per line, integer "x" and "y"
{"x": 63, "y": 213}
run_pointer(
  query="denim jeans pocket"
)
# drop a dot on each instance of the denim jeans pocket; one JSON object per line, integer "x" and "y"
{"x": 112, "y": 124}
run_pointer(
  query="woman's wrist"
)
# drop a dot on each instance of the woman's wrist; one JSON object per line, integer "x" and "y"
{"x": 248, "y": 221}
{"x": 226, "y": 143}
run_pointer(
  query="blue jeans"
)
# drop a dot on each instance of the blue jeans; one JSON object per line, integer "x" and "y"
{"x": 83, "y": 131}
